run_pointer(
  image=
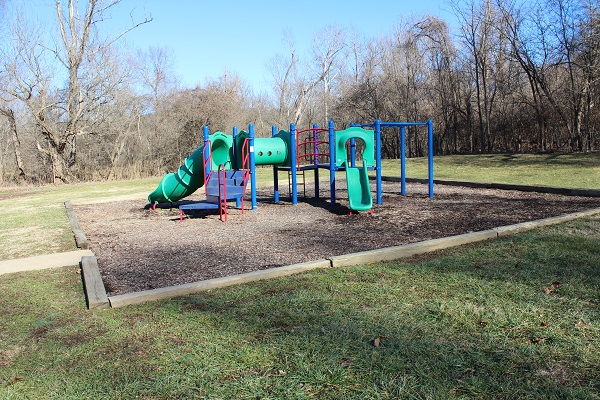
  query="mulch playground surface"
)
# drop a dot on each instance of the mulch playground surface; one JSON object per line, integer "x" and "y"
{"x": 140, "y": 249}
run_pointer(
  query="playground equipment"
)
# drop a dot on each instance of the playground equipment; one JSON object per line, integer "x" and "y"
{"x": 235, "y": 157}
{"x": 378, "y": 125}
{"x": 340, "y": 155}
{"x": 191, "y": 174}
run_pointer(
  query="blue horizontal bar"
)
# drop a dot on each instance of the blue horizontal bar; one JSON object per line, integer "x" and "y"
{"x": 394, "y": 124}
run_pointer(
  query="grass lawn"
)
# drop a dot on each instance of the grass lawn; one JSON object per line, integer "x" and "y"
{"x": 33, "y": 219}
{"x": 482, "y": 321}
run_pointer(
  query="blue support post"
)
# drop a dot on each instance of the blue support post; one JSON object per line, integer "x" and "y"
{"x": 207, "y": 166}
{"x": 293, "y": 163}
{"x": 234, "y": 164}
{"x": 316, "y": 160}
{"x": 403, "y": 160}
{"x": 275, "y": 172}
{"x": 378, "y": 159}
{"x": 353, "y": 152}
{"x": 332, "y": 162}
{"x": 403, "y": 125}
{"x": 252, "y": 164}
{"x": 430, "y": 156}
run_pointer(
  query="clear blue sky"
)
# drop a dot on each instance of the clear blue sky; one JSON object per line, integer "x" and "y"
{"x": 207, "y": 37}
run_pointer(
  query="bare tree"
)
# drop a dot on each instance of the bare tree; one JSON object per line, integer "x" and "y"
{"x": 444, "y": 84}
{"x": 567, "y": 22}
{"x": 295, "y": 80}
{"x": 359, "y": 96}
{"x": 63, "y": 115}
{"x": 7, "y": 111}
{"x": 12, "y": 127}
{"x": 589, "y": 55}
{"x": 556, "y": 45}
{"x": 477, "y": 32}
{"x": 156, "y": 69}
{"x": 6, "y": 108}
{"x": 282, "y": 72}
{"x": 529, "y": 48}
{"x": 328, "y": 49}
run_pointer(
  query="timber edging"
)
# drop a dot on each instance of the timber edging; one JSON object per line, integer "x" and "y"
{"x": 80, "y": 238}
{"x": 95, "y": 292}
{"x": 365, "y": 257}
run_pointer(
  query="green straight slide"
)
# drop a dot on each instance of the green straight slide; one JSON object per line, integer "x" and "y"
{"x": 190, "y": 176}
{"x": 359, "y": 189}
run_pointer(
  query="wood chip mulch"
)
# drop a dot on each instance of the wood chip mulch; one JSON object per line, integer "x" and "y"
{"x": 140, "y": 249}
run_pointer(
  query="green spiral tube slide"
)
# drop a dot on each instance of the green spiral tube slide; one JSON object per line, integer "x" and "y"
{"x": 190, "y": 175}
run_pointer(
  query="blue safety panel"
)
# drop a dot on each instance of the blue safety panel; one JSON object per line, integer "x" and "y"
{"x": 233, "y": 192}
{"x": 214, "y": 184}
{"x": 202, "y": 205}
{"x": 215, "y": 198}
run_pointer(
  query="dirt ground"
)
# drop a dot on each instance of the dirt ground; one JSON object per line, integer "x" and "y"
{"x": 140, "y": 249}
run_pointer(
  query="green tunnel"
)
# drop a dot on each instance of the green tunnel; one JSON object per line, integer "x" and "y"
{"x": 267, "y": 151}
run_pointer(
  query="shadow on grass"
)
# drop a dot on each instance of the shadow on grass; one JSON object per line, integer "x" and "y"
{"x": 474, "y": 322}
{"x": 587, "y": 160}
{"x": 478, "y": 323}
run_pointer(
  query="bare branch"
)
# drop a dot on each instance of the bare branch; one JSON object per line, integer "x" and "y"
{"x": 119, "y": 36}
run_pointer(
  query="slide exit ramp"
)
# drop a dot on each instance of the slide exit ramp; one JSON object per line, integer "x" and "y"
{"x": 359, "y": 189}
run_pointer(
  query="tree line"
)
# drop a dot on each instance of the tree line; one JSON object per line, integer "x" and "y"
{"x": 510, "y": 76}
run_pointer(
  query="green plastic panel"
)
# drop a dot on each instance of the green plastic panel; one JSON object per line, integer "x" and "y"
{"x": 267, "y": 151}
{"x": 341, "y": 137}
{"x": 270, "y": 151}
{"x": 221, "y": 150}
{"x": 359, "y": 189}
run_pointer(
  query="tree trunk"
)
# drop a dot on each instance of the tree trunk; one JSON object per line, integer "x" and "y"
{"x": 60, "y": 170}
{"x": 10, "y": 114}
